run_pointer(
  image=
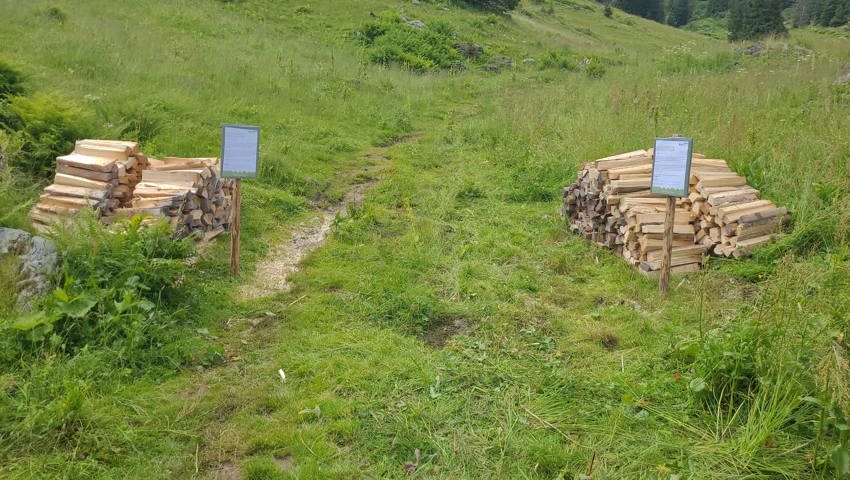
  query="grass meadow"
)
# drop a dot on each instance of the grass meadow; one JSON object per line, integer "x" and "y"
{"x": 451, "y": 326}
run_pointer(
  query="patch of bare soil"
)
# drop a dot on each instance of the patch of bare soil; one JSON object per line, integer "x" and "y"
{"x": 284, "y": 463}
{"x": 228, "y": 471}
{"x": 440, "y": 334}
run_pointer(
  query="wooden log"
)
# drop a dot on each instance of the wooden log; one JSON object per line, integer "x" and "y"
{"x": 733, "y": 196}
{"x": 677, "y": 270}
{"x": 732, "y": 213}
{"x": 102, "y": 151}
{"x": 72, "y": 181}
{"x": 746, "y": 231}
{"x": 752, "y": 217}
{"x": 614, "y": 174}
{"x": 188, "y": 178}
{"x": 674, "y": 262}
{"x": 682, "y": 251}
{"x": 638, "y": 157}
{"x": 625, "y": 186}
{"x": 211, "y": 234}
{"x": 86, "y": 162}
{"x": 659, "y": 228}
{"x": 46, "y": 218}
{"x": 721, "y": 181}
{"x": 745, "y": 247}
{"x": 68, "y": 191}
{"x": 132, "y": 146}
{"x": 89, "y": 174}
{"x": 68, "y": 202}
{"x": 683, "y": 217}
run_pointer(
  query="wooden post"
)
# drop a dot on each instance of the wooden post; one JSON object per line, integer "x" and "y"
{"x": 664, "y": 283}
{"x": 234, "y": 227}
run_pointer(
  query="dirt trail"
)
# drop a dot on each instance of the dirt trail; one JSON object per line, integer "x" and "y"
{"x": 272, "y": 273}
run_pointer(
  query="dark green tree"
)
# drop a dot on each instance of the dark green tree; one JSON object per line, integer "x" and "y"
{"x": 651, "y": 9}
{"x": 680, "y": 13}
{"x": 832, "y": 13}
{"x": 749, "y": 19}
{"x": 802, "y": 13}
{"x": 716, "y": 7}
{"x": 494, "y": 5}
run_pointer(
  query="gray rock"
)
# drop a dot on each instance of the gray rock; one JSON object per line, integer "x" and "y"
{"x": 528, "y": 60}
{"x": 415, "y": 23}
{"x": 38, "y": 258}
{"x": 755, "y": 50}
{"x": 492, "y": 68}
{"x": 469, "y": 49}
{"x": 844, "y": 79}
{"x": 503, "y": 60}
{"x": 803, "y": 51}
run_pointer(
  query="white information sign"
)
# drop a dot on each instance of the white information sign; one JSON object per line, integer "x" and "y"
{"x": 240, "y": 149}
{"x": 671, "y": 166}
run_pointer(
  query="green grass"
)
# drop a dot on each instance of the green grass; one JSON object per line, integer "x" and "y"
{"x": 452, "y": 313}
{"x": 8, "y": 280}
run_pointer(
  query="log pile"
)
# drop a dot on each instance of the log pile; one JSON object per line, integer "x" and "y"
{"x": 117, "y": 181}
{"x": 611, "y": 205}
{"x": 189, "y": 192}
{"x": 99, "y": 174}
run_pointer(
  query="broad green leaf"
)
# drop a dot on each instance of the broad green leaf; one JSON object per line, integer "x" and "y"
{"x": 146, "y": 305}
{"x": 32, "y": 320}
{"x": 61, "y": 295}
{"x": 840, "y": 460}
{"x": 697, "y": 384}
{"x": 79, "y": 307}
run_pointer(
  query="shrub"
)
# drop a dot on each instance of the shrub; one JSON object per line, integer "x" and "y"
{"x": 557, "y": 60}
{"x": 56, "y": 14}
{"x": 16, "y": 196}
{"x": 11, "y": 81}
{"x": 391, "y": 41}
{"x": 48, "y": 127}
{"x": 133, "y": 122}
{"x": 595, "y": 70}
{"x": 724, "y": 364}
{"x": 494, "y": 5}
{"x": 113, "y": 293}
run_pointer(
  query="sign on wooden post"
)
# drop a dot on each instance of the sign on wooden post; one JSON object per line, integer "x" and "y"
{"x": 671, "y": 172}
{"x": 240, "y": 152}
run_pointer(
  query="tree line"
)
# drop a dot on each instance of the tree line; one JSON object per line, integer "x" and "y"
{"x": 747, "y": 19}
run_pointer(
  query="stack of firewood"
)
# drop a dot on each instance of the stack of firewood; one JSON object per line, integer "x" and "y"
{"x": 189, "y": 192}
{"x": 117, "y": 181}
{"x": 99, "y": 174}
{"x": 611, "y": 205}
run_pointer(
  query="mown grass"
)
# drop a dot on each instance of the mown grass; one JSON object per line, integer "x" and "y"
{"x": 451, "y": 313}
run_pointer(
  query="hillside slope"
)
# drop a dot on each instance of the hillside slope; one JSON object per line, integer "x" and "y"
{"x": 451, "y": 327}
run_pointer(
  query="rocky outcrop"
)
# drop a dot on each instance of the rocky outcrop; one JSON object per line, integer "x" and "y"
{"x": 38, "y": 258}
